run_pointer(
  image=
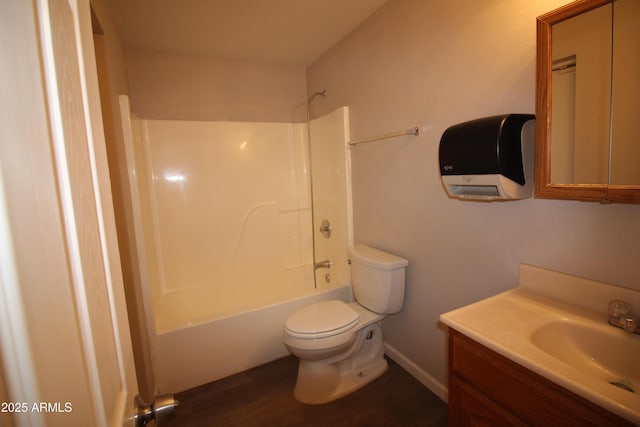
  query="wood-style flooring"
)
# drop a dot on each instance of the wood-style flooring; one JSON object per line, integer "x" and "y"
{"x": 263, "y": 396}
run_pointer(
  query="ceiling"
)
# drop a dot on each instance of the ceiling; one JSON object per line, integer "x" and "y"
{"x": 290, "y": 32}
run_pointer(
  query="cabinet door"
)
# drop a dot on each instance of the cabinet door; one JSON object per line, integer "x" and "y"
{"x": 470, "y": 408}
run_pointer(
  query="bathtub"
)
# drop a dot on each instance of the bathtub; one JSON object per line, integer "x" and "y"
{"x": 198, "y": 353}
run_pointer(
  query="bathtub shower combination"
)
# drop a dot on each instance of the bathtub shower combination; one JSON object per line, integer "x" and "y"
{"x": 226, "y": 220}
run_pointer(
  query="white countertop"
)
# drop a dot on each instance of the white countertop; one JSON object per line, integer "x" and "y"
{"x": 506, "y": 322}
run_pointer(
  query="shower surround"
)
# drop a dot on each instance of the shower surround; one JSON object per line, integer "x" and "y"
{"x": 223, "y": 224}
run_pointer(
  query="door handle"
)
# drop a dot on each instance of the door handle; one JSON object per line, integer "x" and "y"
{"x": 162, "y": 410}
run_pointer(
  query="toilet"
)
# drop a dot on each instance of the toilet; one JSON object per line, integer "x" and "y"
{"x": 339, "y": 345}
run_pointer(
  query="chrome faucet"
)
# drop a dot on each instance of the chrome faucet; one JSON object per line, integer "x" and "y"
{"x": 620, "y": 316}
{"x": 322, "y": 264}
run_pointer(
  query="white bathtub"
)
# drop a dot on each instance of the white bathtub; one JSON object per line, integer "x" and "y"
{"x": 200, "y": 353}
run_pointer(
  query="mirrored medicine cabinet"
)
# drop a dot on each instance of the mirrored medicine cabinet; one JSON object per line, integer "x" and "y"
{"x": 588, "y": 102}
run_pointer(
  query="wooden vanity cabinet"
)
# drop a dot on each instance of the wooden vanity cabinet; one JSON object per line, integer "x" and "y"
{"x": 487, "y": 389}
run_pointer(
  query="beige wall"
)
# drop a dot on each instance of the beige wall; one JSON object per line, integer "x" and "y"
{"x": 180, "y": 87}
{"x": 434, "y": 64}
{"x": 113, "y": 81}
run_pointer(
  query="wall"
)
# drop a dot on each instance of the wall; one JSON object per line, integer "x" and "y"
{"x": 214, "y": 89}
{"x": 434, "y": 64}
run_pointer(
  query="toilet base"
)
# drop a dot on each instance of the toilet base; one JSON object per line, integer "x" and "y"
{"x": 322, "y": 382}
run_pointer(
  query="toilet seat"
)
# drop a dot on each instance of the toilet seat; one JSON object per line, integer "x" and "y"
{"x": 321, "y": 320}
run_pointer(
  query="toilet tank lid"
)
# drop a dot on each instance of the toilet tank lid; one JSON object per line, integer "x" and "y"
{"x": 376, "y": 258}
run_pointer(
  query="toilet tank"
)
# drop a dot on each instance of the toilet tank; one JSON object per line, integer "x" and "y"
{"x": 377, "y": 278}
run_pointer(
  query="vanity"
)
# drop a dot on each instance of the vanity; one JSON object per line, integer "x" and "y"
{"x": 544, "y": 354}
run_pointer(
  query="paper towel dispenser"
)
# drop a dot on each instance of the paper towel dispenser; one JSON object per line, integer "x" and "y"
{"x": 489, "y": 158}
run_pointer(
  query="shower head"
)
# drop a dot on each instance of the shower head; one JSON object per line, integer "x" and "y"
{"x": 322, "y": 92}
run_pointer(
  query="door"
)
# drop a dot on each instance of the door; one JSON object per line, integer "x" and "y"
{"x": 65, "y": 346}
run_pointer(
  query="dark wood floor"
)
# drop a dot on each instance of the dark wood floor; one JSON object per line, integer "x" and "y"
{"x": 263, "y": 396}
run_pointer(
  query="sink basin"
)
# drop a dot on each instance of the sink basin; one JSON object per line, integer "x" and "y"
{"x": 601, "y": 351}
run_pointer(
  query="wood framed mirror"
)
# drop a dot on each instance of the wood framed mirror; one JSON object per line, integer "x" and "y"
{"x": 588, "y": 102}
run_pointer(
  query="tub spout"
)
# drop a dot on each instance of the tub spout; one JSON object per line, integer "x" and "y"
{"x": 322, "y": 264}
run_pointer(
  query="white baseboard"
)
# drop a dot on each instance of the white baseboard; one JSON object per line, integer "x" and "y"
{"x": 427, "y": 380}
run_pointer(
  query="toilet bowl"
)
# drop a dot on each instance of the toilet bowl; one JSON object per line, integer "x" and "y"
{"x": 339, "y": 345}
{"x": 335, "y": 359}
